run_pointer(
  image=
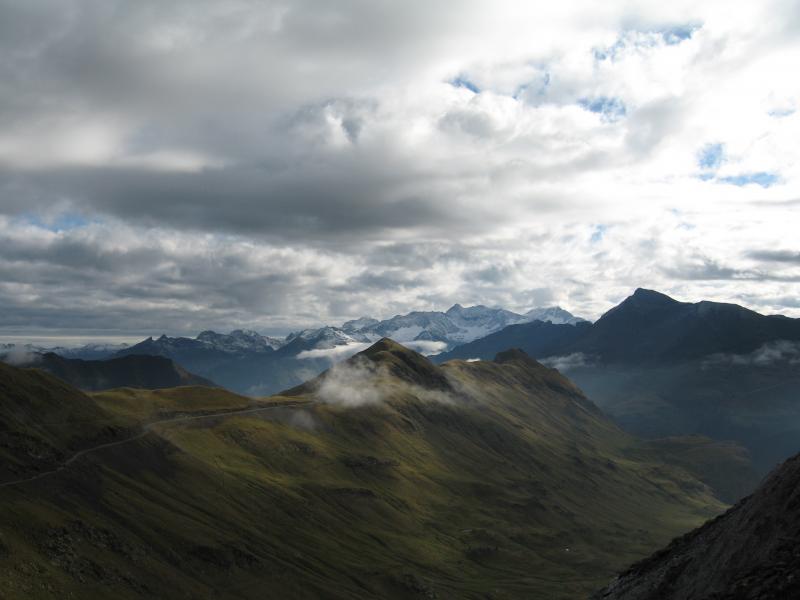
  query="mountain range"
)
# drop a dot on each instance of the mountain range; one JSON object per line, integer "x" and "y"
{"x": 248, "y": 362}
{"x": 386, "y": 476}
{"x": 646, "y": 328}
{"x": 661, "y": 367}
{"x": 455, "y": 326}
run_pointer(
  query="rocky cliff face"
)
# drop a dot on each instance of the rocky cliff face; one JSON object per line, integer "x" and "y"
{"x": 750, "y": 552}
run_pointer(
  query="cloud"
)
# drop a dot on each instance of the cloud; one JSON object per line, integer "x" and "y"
{"x": 173, "y": 167}
{"x": 303, "y": 419}
{"x": 427, "y": 347}
{"x": 568, "y": 362}
{"x": 781, "y": 256}
{"x": 20, "y": 356}
{"x": 335, "y": 354}
{"x": 770, "y": 354}
{"x": 361, "y": 382}
{"x": 351, "y": 385}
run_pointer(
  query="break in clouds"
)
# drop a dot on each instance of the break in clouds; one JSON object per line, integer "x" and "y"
{"x": 277, "y": 165}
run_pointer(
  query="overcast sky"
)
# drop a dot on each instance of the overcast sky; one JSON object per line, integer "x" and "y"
{"x": 184, "y": 165}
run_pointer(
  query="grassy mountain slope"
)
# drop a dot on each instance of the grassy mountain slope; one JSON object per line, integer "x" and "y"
{"x": 142, "y": 406}
{"x": 751, "y": 552}
{"x": 43, "y": 420}
{"x": 394, "y": 479}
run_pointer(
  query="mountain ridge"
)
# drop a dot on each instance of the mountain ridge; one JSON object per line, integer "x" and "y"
{"x": 133, "y": 370}
{"x": 664, "y": 368}
{"x": 463, "y": 480}
{"x": 646, "y": 326}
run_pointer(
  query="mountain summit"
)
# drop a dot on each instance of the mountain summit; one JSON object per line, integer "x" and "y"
{"x": 646, "y": 327}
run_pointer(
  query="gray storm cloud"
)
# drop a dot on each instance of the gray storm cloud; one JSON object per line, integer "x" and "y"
{"x": 175, "y": 167}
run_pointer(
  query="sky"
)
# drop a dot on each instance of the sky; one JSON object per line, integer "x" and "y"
{"x": 175, "y": 167}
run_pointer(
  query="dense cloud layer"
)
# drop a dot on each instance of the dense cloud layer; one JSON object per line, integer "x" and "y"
{"x": 186, "y": 165}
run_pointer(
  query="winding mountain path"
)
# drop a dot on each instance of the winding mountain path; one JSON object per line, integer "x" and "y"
{"x": 146, "y": 429}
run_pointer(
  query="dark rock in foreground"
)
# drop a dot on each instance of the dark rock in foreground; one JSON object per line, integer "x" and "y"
{"x": 750, "y": 552}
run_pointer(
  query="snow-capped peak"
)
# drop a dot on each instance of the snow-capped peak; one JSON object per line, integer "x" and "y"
{"x": 358, "y": 324}
{"x": 238, "y": 341}
{"x": 554, "y": 314}
{"x": 457, "y": 325}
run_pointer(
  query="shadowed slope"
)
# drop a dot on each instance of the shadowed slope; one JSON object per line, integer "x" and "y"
{"x": 472, "y": 479}
{"x": 135, "y": 371}
{"x": 750, "y": 552}
{"x": 645, "y": 328}
{"x": 43, "y": 420}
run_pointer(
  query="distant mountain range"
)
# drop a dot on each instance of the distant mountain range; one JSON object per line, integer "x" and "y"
{"x": 447, "y": 329}
{"x": 455, "y": 326}
{"x": 21, "y": 353}
{"x": 646, "y": 328}
{"x": 248, "y": 362}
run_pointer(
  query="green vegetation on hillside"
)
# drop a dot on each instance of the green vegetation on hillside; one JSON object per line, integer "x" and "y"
{"x": 398, "y": 479}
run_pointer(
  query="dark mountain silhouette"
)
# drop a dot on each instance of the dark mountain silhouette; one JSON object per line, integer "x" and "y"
{"x": 257, "y": 371}
{"x": 136, "y": 371}
{"x": 43, "y": 420}
{"x": 537, "y": 338}
{"x": 650, "y": 327}
{"x": 752, "y": 552}
{"x": 661, "y": 367}
{"x": 646, "y": 328}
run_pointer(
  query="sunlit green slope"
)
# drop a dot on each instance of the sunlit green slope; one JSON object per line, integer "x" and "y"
{"x": 387, "y": 477}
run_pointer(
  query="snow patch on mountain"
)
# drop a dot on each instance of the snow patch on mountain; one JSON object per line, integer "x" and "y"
{"x": 239, "y": 340}
{"x": 456, "y": 326}
{"x": 554, "y": 314}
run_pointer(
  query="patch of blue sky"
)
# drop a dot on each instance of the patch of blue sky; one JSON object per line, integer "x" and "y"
{"x": 598, "y": 233}
{"x": 646, "y": 38}
{"x": 711, "y": 156}
{"x": 763, "y": 178}
{"x": 534, "y": 89}
{"x": 782, "y": 112}
{"x": 609, "y": 52}
{"x": 62, "y": 222}
{"x": 463, "y": 82}
{"x": 609, "y": 108}
{"x": 680, "y": 33}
